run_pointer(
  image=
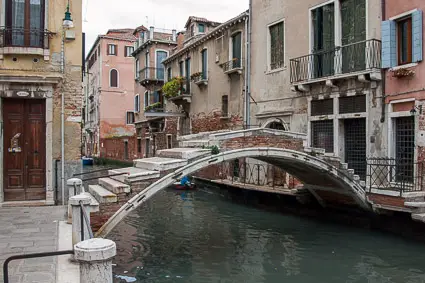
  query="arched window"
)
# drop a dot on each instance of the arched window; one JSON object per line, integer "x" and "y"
{"x": 113, "y": 78}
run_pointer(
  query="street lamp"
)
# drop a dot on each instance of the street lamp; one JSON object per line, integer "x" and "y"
{"x": 67, "y": 21}
{"x": 416, "y": 109}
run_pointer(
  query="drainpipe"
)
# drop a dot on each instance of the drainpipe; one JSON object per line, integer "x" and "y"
{"x": 63, "y": 120}
{"x": 246, "y": 97}
{"x": 383, "y": 73}
{"x": 248, "y": 90}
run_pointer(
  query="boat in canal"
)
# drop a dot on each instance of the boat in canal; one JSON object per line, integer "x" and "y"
{"x": 178, "y": 186}
{"x": 87, "y": 161}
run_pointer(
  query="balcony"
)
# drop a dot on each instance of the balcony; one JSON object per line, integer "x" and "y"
{"x": 154, "y": 110}
{"x": 199, "y": 78}
{"x": 346, "y": 61}
{"x": 25, "y": 41}
{"x": 233, "y": 66}
{"x": 182, "y": 93}
{"x": 152, "y": 76}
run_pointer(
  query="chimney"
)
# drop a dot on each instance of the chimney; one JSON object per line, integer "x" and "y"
{"x": 174, "y": 35}
{"x": 151, "y": 29}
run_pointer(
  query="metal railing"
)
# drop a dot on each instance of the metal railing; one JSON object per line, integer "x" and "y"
{"x": 235, "y": 63}
{"x": 26, "y": 256}
{"x": 199, "y": 78}
{"x": 22, "y": 37}
{"x": 151, "y": 74}
{"x": 85, "y": 219}
{"x": 396, "y": 174}
{"x": 355, "y": 57}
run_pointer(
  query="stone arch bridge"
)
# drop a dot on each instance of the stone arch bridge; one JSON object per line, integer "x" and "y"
{"x": 314, "y": 172}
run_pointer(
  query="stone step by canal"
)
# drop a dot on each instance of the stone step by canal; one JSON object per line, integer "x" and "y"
{"x": 114, "y": 186}
{"x": 159, "y": 163}
{"x": 189, "y": 154}
{"x": 133, "y": 175}
{"x": 102, "y": 195}
{"x": 94, "y": 204}
{"x": 418, "y": 217}
{"x": 417, "y": 204}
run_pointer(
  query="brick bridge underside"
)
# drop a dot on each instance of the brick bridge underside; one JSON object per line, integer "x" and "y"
{"x": 306, "y": 168}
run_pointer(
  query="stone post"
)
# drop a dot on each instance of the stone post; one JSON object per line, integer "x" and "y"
{"x": 95, "y": 258}
{"x": 77, "y": 224}
{"x": 74, "y": 188}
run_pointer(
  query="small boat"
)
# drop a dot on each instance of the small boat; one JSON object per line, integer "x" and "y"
{"x": 180, "y": 187}
{"x": 87, "y": 160}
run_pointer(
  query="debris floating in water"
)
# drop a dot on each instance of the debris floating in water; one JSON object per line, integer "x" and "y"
{"x": 126, "y": 278}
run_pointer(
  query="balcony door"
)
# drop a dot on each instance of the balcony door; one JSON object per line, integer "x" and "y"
{"x": 24, "y": 23}
{"x": 324, "y": 41}
{"x": 237, "y": 49}
{"x": 160, "y": 57}
{"x": 353, "y": 19}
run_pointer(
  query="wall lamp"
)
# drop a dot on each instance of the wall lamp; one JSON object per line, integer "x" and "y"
{"x": 416, "y": 109}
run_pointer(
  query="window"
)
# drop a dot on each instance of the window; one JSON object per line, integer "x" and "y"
{"x": 128, "y": 51}
{"x": 146, "y": 100}
{"x": 201, "y": 28}
{"x": 192, "y": 30}
{"x": 322, "y": 135}
{"x": 352, "y": 104}
{"x": 322, "y": 107}
{"x": 160, "y": 57}
{"x": 137, "y": 68}
{"x": 139, "y": 145}
{"x": 129, "y": 118}
{"x": 181, "y": 68}
{"x": 126, "y": 149}
{"x": 204, "y": 58}
{"x": 169, "y": 141}
{"x": 237, "y": 49}
{"x": 137, "y": 103}
{"x": 276, "y": 36}
{"x": 404, "y": 141}
{"x": 98, "y": 50}
{"x": 112, "y": 49}
{"x": 21, "y": 17}
{"x": 113, "y": 78}
{"x": 224, "y": 106}
{"x": 404, "y": 41}
{"x": 169, "y": 74}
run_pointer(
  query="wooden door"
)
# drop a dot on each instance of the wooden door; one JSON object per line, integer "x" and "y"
{"x": 24, "y": 150}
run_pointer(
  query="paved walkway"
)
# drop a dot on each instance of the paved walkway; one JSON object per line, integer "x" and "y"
{"x": 30, "y": 230}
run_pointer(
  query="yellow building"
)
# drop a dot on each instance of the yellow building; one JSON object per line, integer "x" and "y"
{"x": 41, "y": 50}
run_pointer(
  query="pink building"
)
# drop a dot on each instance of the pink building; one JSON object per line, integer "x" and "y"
{"x": 402, "y": 57}
{"x": 109, "y": 96}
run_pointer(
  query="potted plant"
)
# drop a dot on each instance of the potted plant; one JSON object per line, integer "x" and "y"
{"x": 153, "y": 106}
{"x": 173, "y": 88}
{"x": 403, "y": 72}
{"x": 196, "y": 76}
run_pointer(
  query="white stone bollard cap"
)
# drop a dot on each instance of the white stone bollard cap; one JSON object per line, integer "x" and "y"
{"x": 83, "y": 198}
{"x": 96, "y": 249}
{"x": 72, "y": 181}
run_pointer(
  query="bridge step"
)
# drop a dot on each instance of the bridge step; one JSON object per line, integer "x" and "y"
{"x": 159, "y": 163}
{"x": 102, "y": 195}
{"x": 134, "y": 175}
{"x": 415, "y": 204}
{"x": 194, "y": 143}
{"x": 184, "y": 153}
{"x": 419, "y": 217}
{"x": 114, "y": 186}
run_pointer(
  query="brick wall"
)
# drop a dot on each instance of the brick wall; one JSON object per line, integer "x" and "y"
{"x": 262, "y": 140}
{"x": 113, "y": 148}
{"x": 386, "y": 200}
{"x": 214, "y": 122}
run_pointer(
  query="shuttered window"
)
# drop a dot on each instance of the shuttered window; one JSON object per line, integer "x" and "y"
{"x": 276, "y": 46}
{"x": 113, "y": 78}
{"x": 204, "y": 56}
{"x": 112, "y": 49}
{"x": 128, "y": 51}
{"x": 129, "y": 117}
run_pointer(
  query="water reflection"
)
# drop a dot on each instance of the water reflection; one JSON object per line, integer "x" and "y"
{"x": 200, "y": 237}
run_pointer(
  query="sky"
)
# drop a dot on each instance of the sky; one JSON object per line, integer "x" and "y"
{"x": 101, "y": 15}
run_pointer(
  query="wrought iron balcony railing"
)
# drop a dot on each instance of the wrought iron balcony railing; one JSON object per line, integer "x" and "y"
{"x": 394, "y": 174}
{"x": 351, "y": 58}
{"x": 21, "y": 37}
{"x": 233, "y": 65}
{"x": 151, "y": 75}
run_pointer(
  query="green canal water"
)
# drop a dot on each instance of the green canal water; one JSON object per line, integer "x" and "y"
{"x": 202, "y": 237}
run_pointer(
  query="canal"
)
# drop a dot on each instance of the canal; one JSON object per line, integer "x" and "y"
{"x": 203, "y": 237}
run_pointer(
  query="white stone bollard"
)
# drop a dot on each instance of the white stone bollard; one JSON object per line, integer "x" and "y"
{"x": 74, "y": 188}
{"x": 77, "y": 225}
{"x": 95, "y": 258}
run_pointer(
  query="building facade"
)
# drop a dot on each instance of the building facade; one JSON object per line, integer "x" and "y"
{"x": 41, "y": 98}
{"x": 109, "y": 97}
{"x": 402, "y": 53}
{"x": 320, "y": 73}
{"x": 155, "y": 129}
{"x": 210, "y": 65}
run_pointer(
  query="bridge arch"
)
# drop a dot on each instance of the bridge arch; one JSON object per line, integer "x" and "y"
{"x": 306, "y": 168}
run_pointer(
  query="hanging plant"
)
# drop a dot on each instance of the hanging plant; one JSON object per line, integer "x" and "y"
{"x": 172, "y": 88}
